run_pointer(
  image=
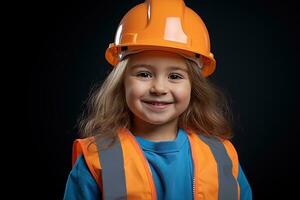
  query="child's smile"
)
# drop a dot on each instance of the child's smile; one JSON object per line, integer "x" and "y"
{"x": 157, "y": 106}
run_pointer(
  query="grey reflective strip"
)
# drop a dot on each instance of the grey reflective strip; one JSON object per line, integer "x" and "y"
{"x": 228, "y": 189}
{"x": 113, "y": 175}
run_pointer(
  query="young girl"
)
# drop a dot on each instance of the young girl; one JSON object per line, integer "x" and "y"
{"x": 156, "y": 128}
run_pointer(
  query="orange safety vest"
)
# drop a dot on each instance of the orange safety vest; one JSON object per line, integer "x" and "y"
{"x": 124, "y": 172}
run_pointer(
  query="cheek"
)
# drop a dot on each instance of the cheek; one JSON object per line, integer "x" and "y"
{"x": 183, "y": 94}
{"x": 134, "y": 89}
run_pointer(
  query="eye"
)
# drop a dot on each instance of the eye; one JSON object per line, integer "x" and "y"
{"x": 175, "y": 76}
{"x": 144, "y": 74}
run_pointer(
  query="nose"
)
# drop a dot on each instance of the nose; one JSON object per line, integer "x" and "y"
{"x": 159, "y": 87}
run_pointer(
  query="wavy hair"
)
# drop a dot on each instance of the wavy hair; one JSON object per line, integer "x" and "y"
{"x": 106, "y": 109}
{"x": 208, "y": 112}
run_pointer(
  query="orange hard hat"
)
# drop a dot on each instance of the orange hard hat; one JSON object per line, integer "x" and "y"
{"x": 163, "y": 25}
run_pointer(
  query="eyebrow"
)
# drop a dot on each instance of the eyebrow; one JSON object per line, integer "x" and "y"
{"x": 151, "y": 66}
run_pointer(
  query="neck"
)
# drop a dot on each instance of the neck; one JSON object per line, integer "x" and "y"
{"x": 155, "y": 132}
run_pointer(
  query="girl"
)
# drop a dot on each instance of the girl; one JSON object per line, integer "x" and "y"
{"x": 156, "y": 128}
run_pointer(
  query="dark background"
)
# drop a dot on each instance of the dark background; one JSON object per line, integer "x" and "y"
{"x": 255, "y": 43}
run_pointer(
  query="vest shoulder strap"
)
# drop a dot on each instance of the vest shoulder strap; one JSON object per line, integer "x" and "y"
{"x": 88, "y": 148}
{"x": 227, "y": 165}
{"x": 233, "y": 156}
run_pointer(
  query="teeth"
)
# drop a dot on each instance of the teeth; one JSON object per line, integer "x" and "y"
{"x": 157, "y": 104}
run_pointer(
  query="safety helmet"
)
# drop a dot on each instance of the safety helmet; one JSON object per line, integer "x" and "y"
{"x": 167, "y": 25}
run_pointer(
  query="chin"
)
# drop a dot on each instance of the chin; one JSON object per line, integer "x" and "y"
{"x": 156, "y": 121}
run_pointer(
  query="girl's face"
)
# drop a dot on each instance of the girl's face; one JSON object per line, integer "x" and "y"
{"x": 157, "y": 86}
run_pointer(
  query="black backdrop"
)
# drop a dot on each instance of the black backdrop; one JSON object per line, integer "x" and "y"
{"x": 255, "y": 43}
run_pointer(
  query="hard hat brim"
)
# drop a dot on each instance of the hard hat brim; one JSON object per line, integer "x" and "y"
{"x": 112, "y": 55}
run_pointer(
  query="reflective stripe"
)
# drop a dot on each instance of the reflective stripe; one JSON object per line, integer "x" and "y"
{"x": 227, "y": 183}
{"x": 113, "y": 174}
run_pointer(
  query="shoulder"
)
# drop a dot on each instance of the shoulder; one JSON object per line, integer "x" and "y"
{"x": 83, "y": 146}
{"x": 230, "y": 148}
{"x": 218, "y": 145}
{"x": 232, "y": 153}
{"x": 88, "y": 149}
{"x": 80, "y": 183}
{"x": 245, "y": 188}
{"x": 81, "y": 167}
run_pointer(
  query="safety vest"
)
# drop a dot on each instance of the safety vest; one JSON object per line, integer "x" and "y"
{"x": 122, "y": 171}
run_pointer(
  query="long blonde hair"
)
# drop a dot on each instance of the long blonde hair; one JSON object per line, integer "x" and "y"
{"x": 107, "y": 110}
{"x": 208, "y": 112}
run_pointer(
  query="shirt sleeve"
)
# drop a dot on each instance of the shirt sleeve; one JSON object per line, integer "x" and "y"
{"x": 245, "y": 188}
{"x": 81, "y": 184}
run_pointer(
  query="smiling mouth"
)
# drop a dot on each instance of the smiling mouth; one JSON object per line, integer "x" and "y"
{"x": 157, "y": 103}
{"x": 157, "y": 106}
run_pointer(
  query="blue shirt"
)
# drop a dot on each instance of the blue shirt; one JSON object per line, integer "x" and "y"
{"x": 171, "y": 166}
{"x": 170, "y": 163}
